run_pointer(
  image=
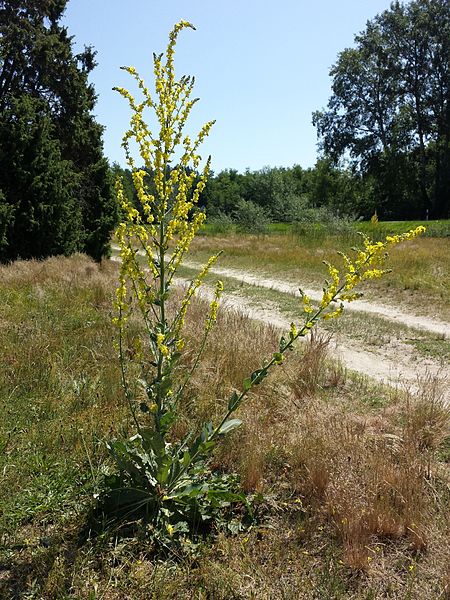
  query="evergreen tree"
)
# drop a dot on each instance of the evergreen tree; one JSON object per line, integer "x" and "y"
{"x": 56, "y": 195}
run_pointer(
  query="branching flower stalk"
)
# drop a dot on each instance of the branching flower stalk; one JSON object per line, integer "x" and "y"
{"x": 365, "y": 265}
{"x": 172, "y": 480}
{"x": 167, "y": 216}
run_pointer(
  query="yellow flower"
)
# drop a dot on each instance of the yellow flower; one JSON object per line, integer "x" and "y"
{"x": 334, "y": 314}
{"x": 307, "y": 306}
{"x": 278, "y": 358}
{"x": 160, "y": 339}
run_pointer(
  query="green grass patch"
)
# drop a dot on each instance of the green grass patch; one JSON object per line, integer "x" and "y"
{"x": 313, "y": 231}
{"x": 437, "y": 229}
{"x": 435, "y": 348}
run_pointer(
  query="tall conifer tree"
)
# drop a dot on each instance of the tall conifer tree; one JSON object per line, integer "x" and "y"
{"x": 56, "y": 195}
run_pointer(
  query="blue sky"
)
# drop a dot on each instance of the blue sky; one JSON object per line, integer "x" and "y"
{"x": 261, "y": 67}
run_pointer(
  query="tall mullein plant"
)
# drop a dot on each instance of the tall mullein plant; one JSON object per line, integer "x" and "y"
{"x": 165, "y": 481}
{"x": 169, "y": 482}
{"x": 168, "y": 216}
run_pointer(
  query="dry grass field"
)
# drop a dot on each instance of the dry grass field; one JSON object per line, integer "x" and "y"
{"x": 350, "y": 480}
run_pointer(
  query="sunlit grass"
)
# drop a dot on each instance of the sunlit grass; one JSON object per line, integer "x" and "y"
{"x": 354, "y": 475}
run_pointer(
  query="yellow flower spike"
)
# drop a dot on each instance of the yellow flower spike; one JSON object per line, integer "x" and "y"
{"x": 195, "y": 284}
{"x": 351, "y": 280}
{"x": 349, "y": 297}
{"x": 160, "y": 339}
{"x": 167, "y": 194}
{"x": 373, "y": 274}
{"x": 214, "y": 306}
{"x": 335, "y": 314}
{"x": 326, "y": 298}
{"x": 307, "y": 306}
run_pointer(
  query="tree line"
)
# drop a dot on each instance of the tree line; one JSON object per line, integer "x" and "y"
{"x": 283, "y": 194}
{"x": 384, "y": 137}
{"x": 389, "y": 112}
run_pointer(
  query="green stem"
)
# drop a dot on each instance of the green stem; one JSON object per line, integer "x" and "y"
{"x": 124, "y": 378}
{"x": 288, "y": 345}
{"x": 197, "y": 359}
{"x": 162, "y": 288}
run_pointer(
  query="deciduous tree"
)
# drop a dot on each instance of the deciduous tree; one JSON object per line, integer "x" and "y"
{"x": 390, "y": 108}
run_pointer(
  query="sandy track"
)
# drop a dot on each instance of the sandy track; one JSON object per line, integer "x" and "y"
{"x": 391, "y": 313}
{"x": 393, "y": 365}
{"x": 388, "y": 312}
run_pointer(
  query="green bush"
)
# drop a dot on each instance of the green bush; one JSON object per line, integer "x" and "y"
{"x": 250, "y": 217}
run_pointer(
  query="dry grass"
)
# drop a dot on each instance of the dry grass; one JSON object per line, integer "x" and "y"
{"x": 354, "y": 496}
{"x": 313, "y": 373}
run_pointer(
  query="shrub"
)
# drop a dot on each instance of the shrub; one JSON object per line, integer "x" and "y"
{"x": 220, "y": 223}
{"x": 250, "y": 217}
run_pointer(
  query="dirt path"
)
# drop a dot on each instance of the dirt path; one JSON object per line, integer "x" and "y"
{"x": 388, "y": 312}
{"x": 393, "y": 367}
{"x": 395, "y": 364}
{"x": 391, "y": 313}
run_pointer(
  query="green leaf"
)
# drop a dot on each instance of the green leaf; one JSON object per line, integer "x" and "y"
{"x": 201, "y": 443}
{"x": 167, "y": 420}
{"x": 152, "y": 440}
{"x": 162, "y": 475}
{"x": 233, "y": 401}
{"x": 186, "y": 459}
{"x": 181, "y": 527}
{"x": 190, "y": 491}
{"x": 258, "y": 376}
{"x": 247, "y": 384}
{"x": 165, "y": 385}
{"x": 235, "y": 526}
{"x": 229, "y": 426}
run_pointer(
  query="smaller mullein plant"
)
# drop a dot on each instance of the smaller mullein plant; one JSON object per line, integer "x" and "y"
{"x": 169, "y": 483}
